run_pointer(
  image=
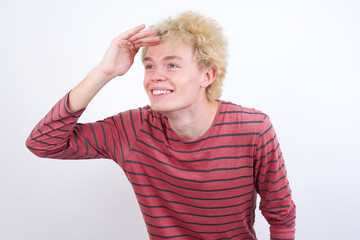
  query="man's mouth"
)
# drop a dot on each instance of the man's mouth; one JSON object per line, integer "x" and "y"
{"x": 157, "y": 92}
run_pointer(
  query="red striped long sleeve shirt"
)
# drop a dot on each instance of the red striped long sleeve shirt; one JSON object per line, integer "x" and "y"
{"x": 198, "y": 189}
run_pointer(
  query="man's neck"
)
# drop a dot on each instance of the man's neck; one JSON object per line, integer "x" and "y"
{"x": 193, "y": 123}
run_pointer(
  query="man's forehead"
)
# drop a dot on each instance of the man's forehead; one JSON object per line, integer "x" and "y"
{"x": 166, "y": 58}
{"x": 167, "y": 50}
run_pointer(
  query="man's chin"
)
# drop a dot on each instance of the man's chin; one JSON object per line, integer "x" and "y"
{"x": 161, "y": 109}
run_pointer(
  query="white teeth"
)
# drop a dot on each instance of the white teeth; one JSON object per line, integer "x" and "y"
{"x": 158, "y": 92}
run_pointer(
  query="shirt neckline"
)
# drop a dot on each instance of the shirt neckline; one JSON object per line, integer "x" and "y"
{"x": 205, "y": 135}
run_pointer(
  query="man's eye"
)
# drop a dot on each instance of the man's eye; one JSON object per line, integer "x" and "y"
{"x": 172, "y": 66}
{"x": 149, "y": 66}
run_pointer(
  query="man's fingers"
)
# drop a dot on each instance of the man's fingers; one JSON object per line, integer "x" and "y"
{"x": 150, "y": 41}
{"x": 129, "y": 33}
{"x": 141, "y": 35}
{"x": 137, "y": 38}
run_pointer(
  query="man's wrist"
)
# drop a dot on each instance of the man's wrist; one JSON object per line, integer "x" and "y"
{"x": 100, "y": 75}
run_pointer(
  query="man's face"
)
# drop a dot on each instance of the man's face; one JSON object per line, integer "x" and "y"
{"x": 173, "y": 79}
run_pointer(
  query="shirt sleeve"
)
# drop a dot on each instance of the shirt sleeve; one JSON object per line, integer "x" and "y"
{"x": 59, "y": 136}
{"x": 272, "y": 184}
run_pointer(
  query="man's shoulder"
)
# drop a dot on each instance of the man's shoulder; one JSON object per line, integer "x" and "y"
{"x": 228, "y": 107}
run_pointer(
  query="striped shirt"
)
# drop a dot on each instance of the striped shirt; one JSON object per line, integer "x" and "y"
{"x": 187, "y": 189}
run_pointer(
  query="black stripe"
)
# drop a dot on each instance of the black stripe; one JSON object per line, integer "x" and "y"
{"x": 198, "y": 150}
{"x": 153, "y": 126}
{"x": 36, "y": 149}
{"x": 266, "y": 131}
{"x": 203, "y": 139}
{"x": 153, "y": 137}
{"x": 290, "y": 224}
{"x": 60, "y": 117}
{"x": 169, "y": 191}
{"x": 272, "y": 151}
{"x": 285, "y": 223}
{"x": 49, "y": 136}
{"x": 122, "y": 122}
{"x": 141, "y": 117}
{"x": 38, "y": 126}
{"x": 85, "y": 140}
{"x": 193, "y": 206}
{"x": 157, "y": 128}
{"x": 52, "y": 112}
{"x": 60, "y": 130}
{"x": 236, "y": 123}
{"x": 93, "y": 131}
{"x": 225, "y": 112}
{"x": 199, "y": 215}
{"x": 190, "y": 170}
{"x": 166, "y": 154}
{"x": 121, "y": 148}
{"x": 97, "y": 154}
{"x": 190, "y": 161}
{"x": 272, "y": 182}
{"x": 62, "y": 122}
{"x": 132, "y": 123}
{"x": 211, "y": 148}
{"x": 274, "y": 200}
{"x": 188, "y": 229}
{"x": 230, "y": 103}
{"x": 175, "y": 236}
{"x": 196, "y": 181}
{"x": 45, "y": 143}
{"x": 86, "y": 147}
{"x": 58, "y": 156}
{"x": 59, "y": 111}
{"x": 199, "y": 224}
{"x": 271, "y": 140}
{"x": 77, "y": 150}
{"x": 215, "y": 159}
{"x": 271, "y": 161}
{"x": 274, "y": 208}
{"x": 283, "y": 165}
{"x": 153, "y": 115}
{"x": 103, "y": 130}
{"x": 275, "y": 191}
{"x": 88, "y": 142}
{"x": 48, "y": 125}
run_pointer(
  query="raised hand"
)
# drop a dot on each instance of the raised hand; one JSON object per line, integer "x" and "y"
{"x": 119, "y": 57}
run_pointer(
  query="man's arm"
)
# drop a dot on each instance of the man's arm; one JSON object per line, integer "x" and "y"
{"x": 272, "y": 185}
{"x": 58, "y": 135}
{"x": 117, "y": 60}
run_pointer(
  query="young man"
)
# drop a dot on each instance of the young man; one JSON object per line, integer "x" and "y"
{"x": 196, "y": 163}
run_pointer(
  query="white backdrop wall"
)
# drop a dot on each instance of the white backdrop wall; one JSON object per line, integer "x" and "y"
{"x": 298, "y": 61}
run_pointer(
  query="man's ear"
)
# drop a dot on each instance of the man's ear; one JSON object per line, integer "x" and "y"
{"x": 209, "y": 77}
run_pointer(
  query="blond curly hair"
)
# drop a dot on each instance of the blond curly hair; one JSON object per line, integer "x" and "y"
{"x": 207, "y": 39}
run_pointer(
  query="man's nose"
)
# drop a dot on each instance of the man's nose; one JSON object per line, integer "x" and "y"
{"x": 158, "y": 75}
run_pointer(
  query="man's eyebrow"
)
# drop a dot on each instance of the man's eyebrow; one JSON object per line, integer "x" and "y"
{"x": 172, "y": 58}
{"x": 165, "y": 58}
{"x": 147, "y": 59}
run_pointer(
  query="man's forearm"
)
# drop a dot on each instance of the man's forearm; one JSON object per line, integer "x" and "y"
{"x": 82, "y": 94}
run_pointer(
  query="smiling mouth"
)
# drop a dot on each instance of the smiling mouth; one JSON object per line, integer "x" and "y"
{"x": 161, "y": 92}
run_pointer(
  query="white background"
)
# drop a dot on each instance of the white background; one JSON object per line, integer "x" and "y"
{"x": 298, "y": 61}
